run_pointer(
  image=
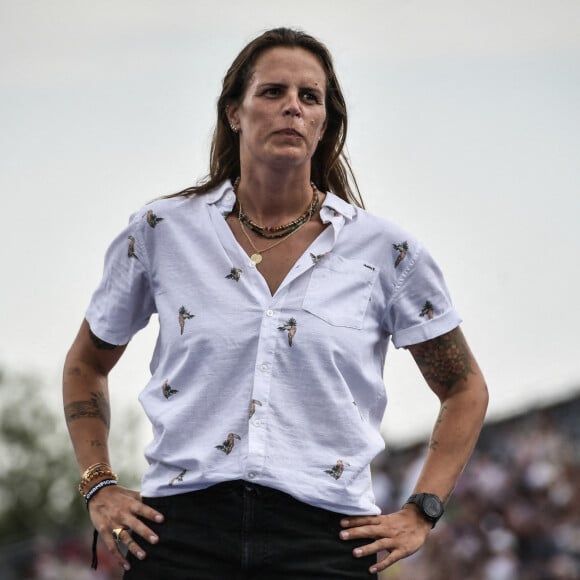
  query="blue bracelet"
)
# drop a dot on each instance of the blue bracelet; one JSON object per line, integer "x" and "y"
{"x": 98, "y": 487}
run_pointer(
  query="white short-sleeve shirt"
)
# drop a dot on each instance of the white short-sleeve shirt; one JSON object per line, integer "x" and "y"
{"x": 285, "y": 390}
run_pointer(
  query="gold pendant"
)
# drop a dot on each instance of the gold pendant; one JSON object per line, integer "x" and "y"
{"x": 256, "y": 258}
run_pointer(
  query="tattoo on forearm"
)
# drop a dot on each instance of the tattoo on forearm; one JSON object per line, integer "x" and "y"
{"x": 96, "y": 408}
{"x": 434, "y": 443}
{"x": 101, "y": 344}
{"x": 96, "y": 443}
{"x": 444, "y": 360}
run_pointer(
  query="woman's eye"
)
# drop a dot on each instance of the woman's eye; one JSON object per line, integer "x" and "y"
{"x": 310, "y": 97}
{"x": 272, "y": 92}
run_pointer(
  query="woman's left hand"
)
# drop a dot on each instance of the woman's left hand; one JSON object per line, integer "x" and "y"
{"x": 399, "y": 535}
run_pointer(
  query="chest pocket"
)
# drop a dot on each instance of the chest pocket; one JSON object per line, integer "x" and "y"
{"x": 339, "y": 291}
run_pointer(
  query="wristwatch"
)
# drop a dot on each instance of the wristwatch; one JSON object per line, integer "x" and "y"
{"x": 430, "y": 506}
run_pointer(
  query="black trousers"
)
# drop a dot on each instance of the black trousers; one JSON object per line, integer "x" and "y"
{"x": 242, "y": 531}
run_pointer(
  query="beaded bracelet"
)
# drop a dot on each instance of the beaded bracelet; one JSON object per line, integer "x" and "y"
{"x": 105, "y": 483}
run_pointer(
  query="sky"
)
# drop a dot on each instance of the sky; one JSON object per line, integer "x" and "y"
{"x": 464, "y": 127}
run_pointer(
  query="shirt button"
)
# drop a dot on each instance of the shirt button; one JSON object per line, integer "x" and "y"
{"x": 251, "y": 475}
{"x": 258, "y": 422}
{"x": 263, "y": 367}
{"x": 229, "y": 197}
{"x": 269, "y": 312}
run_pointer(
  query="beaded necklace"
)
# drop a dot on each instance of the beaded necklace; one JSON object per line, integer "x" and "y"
{"x": 283, "y": 230}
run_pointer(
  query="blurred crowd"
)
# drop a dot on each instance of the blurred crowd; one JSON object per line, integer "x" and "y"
{"x": 515, "y": 514}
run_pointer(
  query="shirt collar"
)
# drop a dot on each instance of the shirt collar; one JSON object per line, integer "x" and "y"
{"x": 335, "y": 206}
{"x": 222, "y": 196}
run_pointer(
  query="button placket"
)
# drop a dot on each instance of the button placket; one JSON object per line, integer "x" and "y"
{"x": 261, "y": 423}
{"x": 265, "y": 356}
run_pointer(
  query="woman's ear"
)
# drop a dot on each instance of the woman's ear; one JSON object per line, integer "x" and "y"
{"x": 233, "y": 117}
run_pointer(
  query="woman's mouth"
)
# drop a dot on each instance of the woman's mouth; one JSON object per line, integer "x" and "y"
{"x": 289, "y": 133}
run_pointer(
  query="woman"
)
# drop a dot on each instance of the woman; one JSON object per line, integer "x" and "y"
{"x": 277, "y": 296}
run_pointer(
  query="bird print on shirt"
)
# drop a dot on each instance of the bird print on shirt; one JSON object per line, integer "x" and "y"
{"x": 235, "y": 274}
{"x": 228, "y": 445}
{"x": 152, "y": 219}
{"x": 178, "y": 478}
{"x": 337, "y": 469}
{"x": 183, "y": 316}
{"x": 253, "y": 404}
{"x": 427, "y": 310}
{"x": 316, "y": 258}
{"x": 131, "y": 249}
{"x": 290, "y": 327}
{"x": 402, "y": 248}
{"x": 167, "y": 390}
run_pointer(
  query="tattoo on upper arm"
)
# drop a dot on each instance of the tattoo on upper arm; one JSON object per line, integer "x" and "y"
{"x": 444, "y": 360}
{"x": 101, "y": 344}
{"x": 96, "y": 408}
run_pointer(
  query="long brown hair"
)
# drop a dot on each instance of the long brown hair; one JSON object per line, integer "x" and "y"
{"x": 331, "y": 169}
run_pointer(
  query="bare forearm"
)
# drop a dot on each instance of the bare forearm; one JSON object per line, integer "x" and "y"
{"x": 451, "y": 371}
{"x": 87, "y": 412}
{"x": 453, "y": 439}
{"x": 86, "y": 395}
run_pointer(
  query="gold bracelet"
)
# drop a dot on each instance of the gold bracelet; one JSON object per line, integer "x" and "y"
{"x": 86, "y": 483}
{"x": 94, "y": 471}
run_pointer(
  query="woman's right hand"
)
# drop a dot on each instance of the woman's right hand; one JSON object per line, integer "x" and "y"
{"x": 118, "y": 507}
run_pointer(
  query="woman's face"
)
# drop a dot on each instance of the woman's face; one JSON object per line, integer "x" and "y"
{"x": 282, "y": 115}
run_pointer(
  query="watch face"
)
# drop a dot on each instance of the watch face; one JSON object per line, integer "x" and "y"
{"x": 432, "y": 507}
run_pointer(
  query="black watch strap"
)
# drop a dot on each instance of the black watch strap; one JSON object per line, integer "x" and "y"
{"x": 430, "y": 506}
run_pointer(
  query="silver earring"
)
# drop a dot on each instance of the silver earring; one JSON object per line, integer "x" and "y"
{"x": 234, "y": 128}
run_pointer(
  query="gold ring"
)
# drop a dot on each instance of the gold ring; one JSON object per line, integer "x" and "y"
{"x": 117, "y": 533}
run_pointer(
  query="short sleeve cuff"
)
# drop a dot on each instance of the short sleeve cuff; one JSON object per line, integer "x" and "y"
{"x": 100, "y": 330}
{"x": 427, "y": 330}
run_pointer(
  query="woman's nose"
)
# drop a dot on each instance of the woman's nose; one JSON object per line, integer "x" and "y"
{"x": 292, "y": 106}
